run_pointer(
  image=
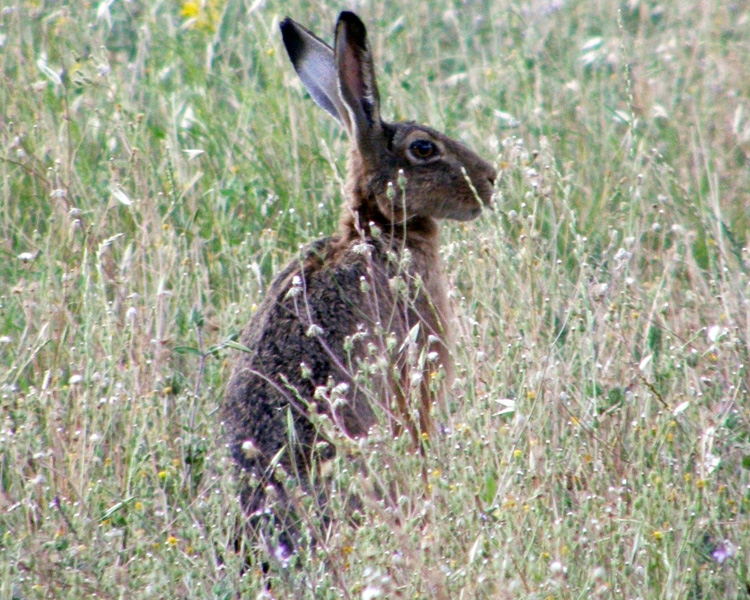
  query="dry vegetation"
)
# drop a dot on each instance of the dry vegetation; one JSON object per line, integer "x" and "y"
{"x": 159, "y": 162}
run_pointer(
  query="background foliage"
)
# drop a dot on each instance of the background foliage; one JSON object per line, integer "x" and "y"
{"x": 159, "y": 161}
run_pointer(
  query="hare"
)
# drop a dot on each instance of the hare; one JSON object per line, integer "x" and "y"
{"x": 361, "y": 318}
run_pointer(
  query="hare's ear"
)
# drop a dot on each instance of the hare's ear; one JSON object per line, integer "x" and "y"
{"x": 356, "y": 79}
{"x": 315, "y": 64}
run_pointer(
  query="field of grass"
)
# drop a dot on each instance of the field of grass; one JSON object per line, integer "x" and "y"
{"x": 159, "y": 162}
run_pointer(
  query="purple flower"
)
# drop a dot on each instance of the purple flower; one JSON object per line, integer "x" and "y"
{"x": 723, "y": 551}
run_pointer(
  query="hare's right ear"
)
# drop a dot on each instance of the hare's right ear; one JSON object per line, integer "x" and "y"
{"x": 357, "y": 85}
{"x": 315, "y": 64}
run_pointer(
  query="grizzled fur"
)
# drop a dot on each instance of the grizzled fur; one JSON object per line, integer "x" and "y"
{"x": 353, "y": 298}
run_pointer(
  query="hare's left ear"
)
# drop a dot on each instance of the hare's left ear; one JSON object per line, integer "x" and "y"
{"x": 356, "y": 82}
{"x": 315, "y": 64}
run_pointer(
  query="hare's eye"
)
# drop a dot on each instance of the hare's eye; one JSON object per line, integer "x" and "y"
{"x": 423, "y": 149}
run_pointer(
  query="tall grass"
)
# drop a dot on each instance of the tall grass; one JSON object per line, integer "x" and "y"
{"x": 160, "y": 162}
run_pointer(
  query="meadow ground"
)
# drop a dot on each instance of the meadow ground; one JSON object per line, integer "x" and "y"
{"x": 160, "y": 161}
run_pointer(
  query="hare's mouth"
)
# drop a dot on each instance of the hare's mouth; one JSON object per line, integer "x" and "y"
{"x": 489, "y": 200}
{"x": 466, "y": 214}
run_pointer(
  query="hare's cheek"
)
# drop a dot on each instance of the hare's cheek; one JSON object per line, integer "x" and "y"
{"x": 472, "y": 212}
{"x": 468, "y": 207}
{"x": 471, "y": 198}
{"x": 391, "y": 208}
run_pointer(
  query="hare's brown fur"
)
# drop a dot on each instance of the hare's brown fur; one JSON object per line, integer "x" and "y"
{"x": 350, "y": 301}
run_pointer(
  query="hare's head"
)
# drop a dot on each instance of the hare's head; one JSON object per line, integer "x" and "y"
{"x": 441, "y": 177}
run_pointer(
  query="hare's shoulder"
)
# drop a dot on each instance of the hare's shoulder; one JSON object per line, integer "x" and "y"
{"x": 326, "y": 291}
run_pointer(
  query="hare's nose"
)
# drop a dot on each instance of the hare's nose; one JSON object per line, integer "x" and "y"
{"x": 491, "y": 175}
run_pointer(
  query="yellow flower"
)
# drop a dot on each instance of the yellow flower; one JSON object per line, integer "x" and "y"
{"x": 658, "y": 535}
{"x": 190, "y": 9}
{"x": 172, "y": 540}
{"x": 204, "y": 15}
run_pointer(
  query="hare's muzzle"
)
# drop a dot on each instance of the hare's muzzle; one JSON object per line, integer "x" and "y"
{"x": 485, "y": 187}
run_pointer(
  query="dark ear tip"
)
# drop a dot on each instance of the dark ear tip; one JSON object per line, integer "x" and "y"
{"x": 291, "y": 37}
{"x": 354, "y": 26}
{"x": 349, "y": 17}
{"x": 286, "y": 26}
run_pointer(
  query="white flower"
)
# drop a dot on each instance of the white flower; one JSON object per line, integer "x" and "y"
{"x": 371, "y": 592}
{"x": 622, "y": 255}
{"x": 314, "y": 330}
{"x": 556, "y": 567}
{"x": 249, "y": 449}
{"x": 714, "y": 333}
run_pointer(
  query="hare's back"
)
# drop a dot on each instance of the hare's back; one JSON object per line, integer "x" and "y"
{"x": 310, "y": 331}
